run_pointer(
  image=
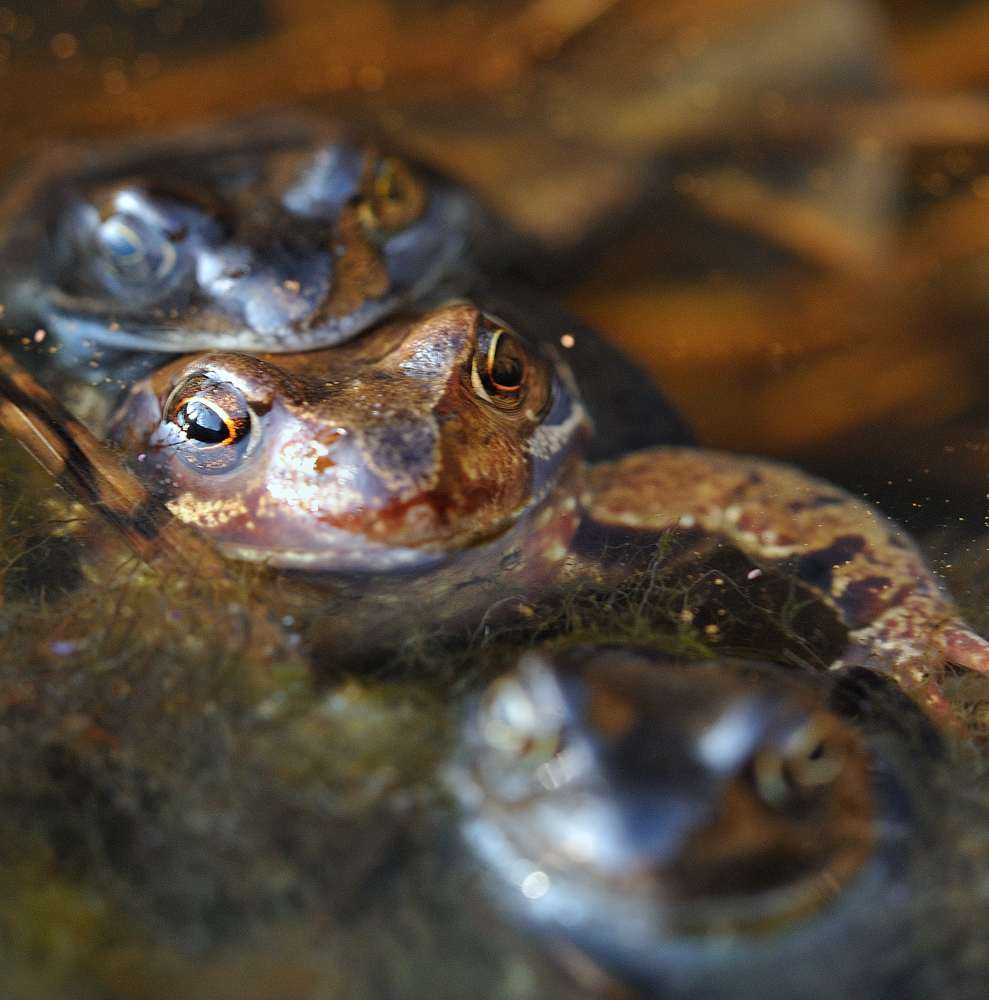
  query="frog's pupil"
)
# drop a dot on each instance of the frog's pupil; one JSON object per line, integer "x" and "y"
{"x": 202, "y": 423}
{"x": 505, "y": 367}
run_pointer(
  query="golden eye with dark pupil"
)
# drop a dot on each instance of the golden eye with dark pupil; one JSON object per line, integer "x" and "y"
{"x": 209, "y": 426}
{"x": 395, "y": 197}
{"x": 504, "y": 365}
{"x": 204, "y": 421}
{"x": 209, "y": 413}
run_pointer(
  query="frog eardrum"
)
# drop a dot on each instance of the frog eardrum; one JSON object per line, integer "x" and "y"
{"x": 423, "y": 437}
{"x": 278, "y": 237}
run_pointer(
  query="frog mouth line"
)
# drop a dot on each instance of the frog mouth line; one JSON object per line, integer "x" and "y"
{"x": 341, "y": 551}
{"x": 355, "y": 555}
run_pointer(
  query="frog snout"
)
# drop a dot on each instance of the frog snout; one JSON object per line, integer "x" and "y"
{"x": 317, "y": 454}
{"x": 339, "y": 468}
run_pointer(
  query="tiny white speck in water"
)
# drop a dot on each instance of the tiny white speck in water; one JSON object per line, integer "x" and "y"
{"x": 753, "y": 574}
{"x": 687, "y": 521}
{"x": 567, "y": 341}
{"x": 535, "y": 885}
{"x": 141, "y": 457}
{"x": 39, "y": 336}
{"x": 581, "y": 846}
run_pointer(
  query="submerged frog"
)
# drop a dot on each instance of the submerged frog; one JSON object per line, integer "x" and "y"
{"x": 722, "y": 828}
{"x": 276, "y": 234}
{"x": 432, "y": 470}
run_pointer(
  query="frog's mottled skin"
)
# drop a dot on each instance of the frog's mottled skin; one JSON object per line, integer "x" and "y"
{"x": 717, "y": 829}
{"x": 900, "y": 617}
{"x": 276, "y": 234}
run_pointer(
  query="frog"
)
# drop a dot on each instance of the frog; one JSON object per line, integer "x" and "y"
{"x": 273, "y": 233}
{"x": 718, "y": 827}
{"x": 443, "y": 457}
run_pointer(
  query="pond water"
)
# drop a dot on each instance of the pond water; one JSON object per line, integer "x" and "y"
{"x": 222, "y": 778}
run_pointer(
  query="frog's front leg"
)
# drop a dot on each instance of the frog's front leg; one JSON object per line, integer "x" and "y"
{"x": 901, "y": 620}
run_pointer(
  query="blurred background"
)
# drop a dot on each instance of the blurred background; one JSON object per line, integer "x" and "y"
{"x": 781, "y": 207}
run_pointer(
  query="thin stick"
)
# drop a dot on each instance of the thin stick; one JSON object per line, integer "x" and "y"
{"x": 91, "y": 474}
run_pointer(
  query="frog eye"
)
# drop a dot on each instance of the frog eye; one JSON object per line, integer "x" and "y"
{"x": 512, "y": 723}
{"x": 499, "y": 367}
{"x": 808, "y": 760}
{"x": 522, "y": 716}
{"x": 209, "y": 423}
{"x": 396, "y": 198}
{"x": 134, "y": 251}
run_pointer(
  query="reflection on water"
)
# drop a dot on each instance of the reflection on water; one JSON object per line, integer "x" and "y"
{"x": 780, "y": 209}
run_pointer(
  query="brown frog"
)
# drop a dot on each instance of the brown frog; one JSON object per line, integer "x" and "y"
{"x": 436, "y": 458}
{"x": 431, "y": 470}
{"x": 383, "y": 454}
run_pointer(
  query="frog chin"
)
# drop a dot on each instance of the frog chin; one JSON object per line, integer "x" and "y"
{"x": 339, "y": 551}
{"x": 336, "y": 550}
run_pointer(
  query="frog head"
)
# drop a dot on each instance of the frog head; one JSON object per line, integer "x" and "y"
{"x": 422, "y": 437}
{"x": 263, "y": 238}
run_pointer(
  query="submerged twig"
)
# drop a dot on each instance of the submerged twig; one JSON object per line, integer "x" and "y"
{"x": 91, "y": 474}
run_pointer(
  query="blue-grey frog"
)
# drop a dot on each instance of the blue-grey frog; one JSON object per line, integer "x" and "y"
{"x": 274, "y": 234}
{"x": 721, "y": 828}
